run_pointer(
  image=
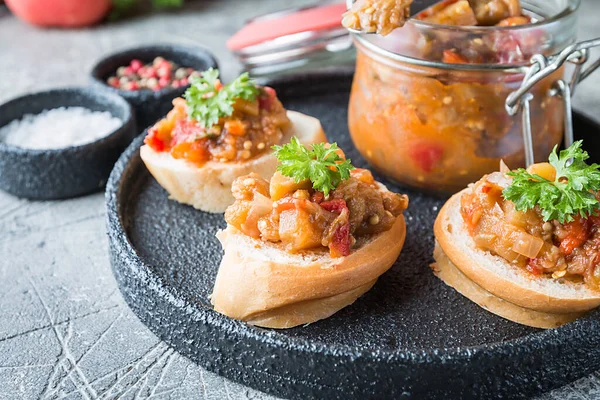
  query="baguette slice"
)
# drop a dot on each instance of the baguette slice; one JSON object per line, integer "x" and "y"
{"x": 208, "y": 188}
{"x": 263, "y": 284}
{"x": 502, "y": 279}
{"x": 444, "y": 269}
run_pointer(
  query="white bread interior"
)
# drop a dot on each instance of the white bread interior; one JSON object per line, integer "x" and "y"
{"x": 263, "y": 284}
{"x": 503, "y": 279}
{"x": 208, "y": 188}
{"x": 444, "y": 269}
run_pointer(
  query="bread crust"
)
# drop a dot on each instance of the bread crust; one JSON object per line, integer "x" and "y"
{"x": 513, "y": 284}
{"x": 263, "y": 284}
{"x": 208, "y": 188}
{"x": 444, "y": 269}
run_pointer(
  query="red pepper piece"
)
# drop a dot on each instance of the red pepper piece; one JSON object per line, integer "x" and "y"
{"x": 534, "y": 267}
{"x": 452, "y": 57}
{"x": 578, "y": 232}
{"x": 340, "y": 242}
{"x": 426, "y": 155}
{"x": 335, "y": 205}
{"x": 153, "y": 141}
{"x": 265, "y": 101}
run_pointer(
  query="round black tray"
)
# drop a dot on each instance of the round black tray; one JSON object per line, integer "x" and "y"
{"x": 411, "y": 336}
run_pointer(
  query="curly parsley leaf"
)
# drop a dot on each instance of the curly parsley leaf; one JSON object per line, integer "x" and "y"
{"x": 160, "y": 4}
{"x": 322, "y": 165}
{"x": 571, "y": 193}
{"x": 208, "y": 99}
{"x": 121, "y": 8}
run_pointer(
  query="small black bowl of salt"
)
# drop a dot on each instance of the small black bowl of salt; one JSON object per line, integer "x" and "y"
{"x": 62, "y": 143}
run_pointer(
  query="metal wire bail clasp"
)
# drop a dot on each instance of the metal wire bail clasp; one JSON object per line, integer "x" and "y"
{"x": 542, "y": 67}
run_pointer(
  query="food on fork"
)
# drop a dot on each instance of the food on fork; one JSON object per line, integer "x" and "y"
{"x": 309, "y": 242}
{"x": 218, "y": 133}
{"x": 383, "y": 16}
{"x": 377, "y": 16}
{"x": 525, "y": 244}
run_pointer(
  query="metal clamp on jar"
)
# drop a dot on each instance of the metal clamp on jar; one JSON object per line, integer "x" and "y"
{"x": 428, "y": 102}
{"x": 542, "y": 67}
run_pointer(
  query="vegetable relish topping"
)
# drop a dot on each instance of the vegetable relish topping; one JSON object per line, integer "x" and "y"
{"x": 566, "y": 191}
{"x": 322, "y": 165}
{"x": 295, "y": 211}
{"x": 543, "y": 219}
{"x": 224, "y": 123}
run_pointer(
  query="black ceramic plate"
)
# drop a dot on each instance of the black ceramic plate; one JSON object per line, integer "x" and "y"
{"x": 409, "y": 337}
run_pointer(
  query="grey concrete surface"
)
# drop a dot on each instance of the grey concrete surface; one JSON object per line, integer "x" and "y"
{"x": 65, "y": 332}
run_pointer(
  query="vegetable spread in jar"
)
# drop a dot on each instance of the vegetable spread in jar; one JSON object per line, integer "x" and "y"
{"x": 215, "y": 122}
{"x": 544, "y": 220}
{"x": 335, "y": 213}
{"x": 438, "y": 126}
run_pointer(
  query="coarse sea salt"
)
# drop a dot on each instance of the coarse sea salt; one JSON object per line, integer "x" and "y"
{"x": 59, "y": 128}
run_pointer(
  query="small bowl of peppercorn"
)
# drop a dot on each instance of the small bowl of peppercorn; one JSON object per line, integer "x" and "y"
{"x": 150, "y": 77}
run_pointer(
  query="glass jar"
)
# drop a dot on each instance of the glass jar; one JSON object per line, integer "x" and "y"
{"x": 431, "y": 120}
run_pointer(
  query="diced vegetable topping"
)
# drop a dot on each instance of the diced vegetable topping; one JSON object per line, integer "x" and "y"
{"x": 292, "y": 213}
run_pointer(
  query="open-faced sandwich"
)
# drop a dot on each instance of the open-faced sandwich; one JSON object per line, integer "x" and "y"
{"x": 525, "y": 244}
{"x": 217, "y": 133}
{"x": 309, "y": 242}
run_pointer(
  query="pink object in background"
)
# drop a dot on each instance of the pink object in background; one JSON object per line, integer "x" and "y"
{"x": 310, "y": 19}
{"x": 60, "y": 13}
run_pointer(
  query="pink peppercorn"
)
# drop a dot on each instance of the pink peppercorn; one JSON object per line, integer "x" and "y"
{"x": 136, "y": 65}
{"x": 164, "y": 82}
{"x": 164, "y": 71}
{"x": 157, "y": 75}
{"x": 113, "y": 81}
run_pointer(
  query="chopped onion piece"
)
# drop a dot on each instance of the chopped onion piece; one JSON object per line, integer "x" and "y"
{"x": 503, "y": 167}
{"x": 498, "y": 210}
{"x": 499, "y": 179}
{"x": 507, "y": 254}
{"x": 261, "y": 206}
{"x": 527, "y": 245}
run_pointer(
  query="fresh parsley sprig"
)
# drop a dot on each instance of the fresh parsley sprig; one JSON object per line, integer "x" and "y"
{"x": 571, "y": 193}
{"x": 323, "y": 166}
{"x": 121, "y": 8}
{"x": 208, "y": 100}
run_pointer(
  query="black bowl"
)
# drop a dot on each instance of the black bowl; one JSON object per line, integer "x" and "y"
{"x": 67, "y": 172}
{"x": 149, "y": 105}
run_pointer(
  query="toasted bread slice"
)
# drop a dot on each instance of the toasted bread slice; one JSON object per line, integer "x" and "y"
{"x": 208, "y": 188}
{"x": 452, "y": 276}
{"x": 504, "y": 280}
{"x": 263, "y": 284}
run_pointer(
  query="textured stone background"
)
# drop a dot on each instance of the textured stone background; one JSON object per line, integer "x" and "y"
{"x": 65, "y": 332}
